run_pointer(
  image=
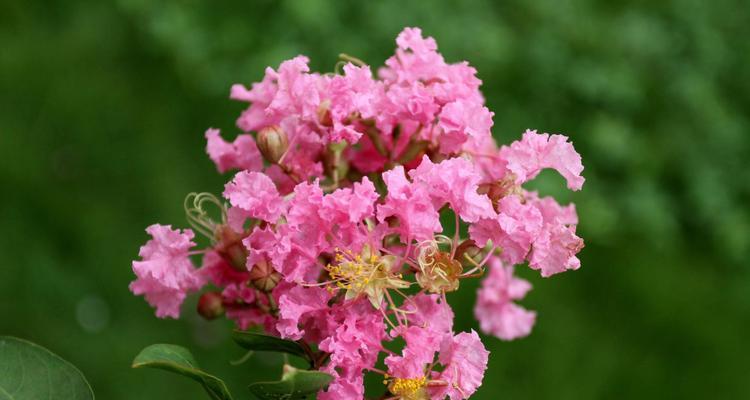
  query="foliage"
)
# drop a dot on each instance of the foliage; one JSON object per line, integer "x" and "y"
{"x": 179, "y": 360}
{"x": 29, "y": 371}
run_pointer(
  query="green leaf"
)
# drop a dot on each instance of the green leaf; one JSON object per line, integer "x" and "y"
{"x": 178, "y": 359}
{"x": 261, "y": 342}
{"x": 294, "y": 384}
{"x": 29, "y": 371}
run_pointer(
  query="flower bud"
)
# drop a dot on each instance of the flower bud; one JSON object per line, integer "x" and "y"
{"x": 210, "y": 305}
{"x": 272, "y": 143}
{"x": 230, "y": 247}
{"x": 264, "y": 277}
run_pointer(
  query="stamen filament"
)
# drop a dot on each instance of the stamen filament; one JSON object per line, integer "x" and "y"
{"x": 455, "y": 235}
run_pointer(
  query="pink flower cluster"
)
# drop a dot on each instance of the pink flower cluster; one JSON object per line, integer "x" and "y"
{"x": 330, "y": 232}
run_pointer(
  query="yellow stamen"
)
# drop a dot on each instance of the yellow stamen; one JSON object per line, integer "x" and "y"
{"x": 367, "y": 273}
{"x": 409, "y": 388}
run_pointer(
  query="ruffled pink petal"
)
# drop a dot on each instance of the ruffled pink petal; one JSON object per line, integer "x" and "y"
{"x": 454, "y": 181}
{"x": 465, "y": 360}
{"x": 527, "y": 157}
{"x": 357, "y": 339}
{"x": 495, "y": 310}
{"x": 555, "y": 248}
{"x": 462, "y": 121}
{"x": 295, "y": 303}
{"x": 255, "y": 195}
{"x": 513, "y": 230}
{"x": 418, "y": 353}
{"x": 165, "y": 273}
{"x": 241, "y": 154}
{"x": 411, "y": 205}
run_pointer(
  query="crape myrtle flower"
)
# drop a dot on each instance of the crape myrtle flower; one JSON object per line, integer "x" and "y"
{"x": 165, "y": 273}
{"x": 332, "y": 229}
{"x": 495, "y": 309}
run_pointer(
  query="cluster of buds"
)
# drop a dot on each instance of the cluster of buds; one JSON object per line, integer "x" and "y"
{"x": 331, "y": 232}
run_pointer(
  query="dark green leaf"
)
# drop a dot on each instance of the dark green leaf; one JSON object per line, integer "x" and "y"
{"x": 29, "y": 371}
{"x": 294, "y": 384}
{"x": 261, "y": 342}
{"x": 178, "y": 359}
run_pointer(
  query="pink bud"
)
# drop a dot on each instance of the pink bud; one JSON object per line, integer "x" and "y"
{"x": 210, "y": 305}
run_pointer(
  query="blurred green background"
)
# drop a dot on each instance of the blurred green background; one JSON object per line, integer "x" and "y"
{"x": 103, "y": 107}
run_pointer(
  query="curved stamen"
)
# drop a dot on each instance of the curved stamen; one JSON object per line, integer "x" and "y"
{"x": 195, "y": 212}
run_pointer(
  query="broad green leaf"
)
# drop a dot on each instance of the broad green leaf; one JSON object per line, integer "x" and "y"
{"x": 178, "y": 359}
{"x": 29, "y": 371}
{"x": 261, "y": 342}
{"x": 294, "y": 384}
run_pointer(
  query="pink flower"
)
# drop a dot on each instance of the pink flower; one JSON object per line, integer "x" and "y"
{"x": 412, "y": 102}
{"x": 265, "y": 245}
{"x": 165, "y": 275}
{"x": 350, "y": 205}
{"x": 260, "y": 96}
{"x": 411, "y": 205}
{"x": 253, "y": 195}
{"x": 457, "y": 81}
{"x": 355, "y": 92}
{"x": 463, "y": 357}
{"x": 241, "y": 154}
{"x": 303, "y": 217}
{"x": 355, "y": 341}
{"x": 427, "y": 311}
{"x": 419, "y": 352}
{"x": 555, "y": 248}
{"x": 345, "y": 386}
{"x": 343, "y": 212}
{"x": 462, "y": 121}
{"x": 314, "y": 246}
{"x": 416, "y": 59}
{"x": 552, "y": 211}
{"x": 455, "y": 182}
{"x": 298, "y": 93}
{"x": 465, "y": 360}
{"x": 297, "y": 261}
{"x": 534, "y": 152}
{"x": 411, "y": 39}
{"x": 296, "y": 303}
{"x": 513, "y": 230}
{"x": 364, "y": 90}
{"x": 497, "y": 313}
